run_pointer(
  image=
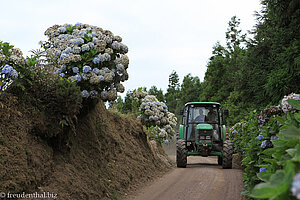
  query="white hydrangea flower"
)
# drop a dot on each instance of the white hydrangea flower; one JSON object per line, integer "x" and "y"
{"x": 94, "y": 79}
{"x": 285, "y": 106}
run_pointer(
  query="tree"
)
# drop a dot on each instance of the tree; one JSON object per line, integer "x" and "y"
{"x": 173, "y": 90}
{"x": 158, "y": 93}
{"x": 272, "y": 64}
{"x": 190, "y": 89}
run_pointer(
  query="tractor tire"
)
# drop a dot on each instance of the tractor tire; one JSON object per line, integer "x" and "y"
{"x": 227, "y": 154}
{"x": 181, "y": 157}
{"x": 220, "y": 160}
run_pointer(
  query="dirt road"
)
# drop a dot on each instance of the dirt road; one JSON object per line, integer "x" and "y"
{"x": 202, "y": 179}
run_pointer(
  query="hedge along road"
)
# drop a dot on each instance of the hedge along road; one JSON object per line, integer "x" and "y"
{"x": 201, "y": 179}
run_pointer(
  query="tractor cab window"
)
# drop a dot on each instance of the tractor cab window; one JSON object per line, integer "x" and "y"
{"x": 203, "y": 114}
{"x": 197, "y": 114}
{"x": 184, "y": 117}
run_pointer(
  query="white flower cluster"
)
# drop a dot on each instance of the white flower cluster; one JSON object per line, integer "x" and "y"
{"x": 15, "y": 55}
{"x": 156, "y": 113}
{"x": 285, "y": 106}
{"x": 264, "y": 116}
{"x": 137, "y": 95}
{"x": 91, "y": 56}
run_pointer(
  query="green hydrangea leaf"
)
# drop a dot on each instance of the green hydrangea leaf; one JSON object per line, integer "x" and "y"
{"x": 294, "y": 103}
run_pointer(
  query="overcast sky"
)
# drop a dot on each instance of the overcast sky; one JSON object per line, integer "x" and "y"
{"x": 162, "y": 35}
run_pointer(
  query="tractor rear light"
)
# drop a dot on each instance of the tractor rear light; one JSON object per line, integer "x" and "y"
{"x": 208, "y": 137}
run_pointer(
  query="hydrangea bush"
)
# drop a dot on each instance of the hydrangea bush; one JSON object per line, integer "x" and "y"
{"x": 11, "y": 60}
{"x": 92, "y": 57}
{"x": 269, "y": 143}
{"x": 155, "y": 114}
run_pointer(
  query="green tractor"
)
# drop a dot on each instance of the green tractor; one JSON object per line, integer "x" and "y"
{"x": 203, "y": 133}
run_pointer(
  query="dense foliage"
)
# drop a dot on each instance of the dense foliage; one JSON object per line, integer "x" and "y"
{"x": 269, "y": 143}
{"x": 249, "y": 74}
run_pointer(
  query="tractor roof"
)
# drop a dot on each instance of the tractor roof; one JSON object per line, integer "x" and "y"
{"x": 202, "y": 103}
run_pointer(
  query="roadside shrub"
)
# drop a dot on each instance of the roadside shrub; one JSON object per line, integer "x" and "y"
{"x": 14, "y": 67}
{"x": 269, "y": 143}
{"x": 155, "y": 115}
{"x": 90, "y": 56}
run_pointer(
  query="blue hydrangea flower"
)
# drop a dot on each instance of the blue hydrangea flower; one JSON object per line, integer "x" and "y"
{"x": 62, "y": 29}
{"x": 156, "y": 135}
{"x": 14, "y": 74}
{"x": 96, "y": 70}
{"x": 262, "y": 169}
{"x": 260, "y": 137}
{"x": 77, "y": 77}
{"x": 296, "y": 186}
{"x": 139, "y": 117}
{"x": 86, "y": 69}
{"x": 82, "y": 32}
{"x": 78, "y": 23}
{"x": 7, "y": 69}
{"x": 96, "y": 60}
{"x": 68, "y": 50}
{"x": 91, "y": 45}
{"x": 63, "y": 55}
{"x": 62, "y": 75}
{"x": 166, "y": 141}
{"x": 58, "y": 71}
{"x": 95, "y": 40}
{"x": 101, "y": 78}
{"x": 234, "y": 131}
{"x": 76, "y": 50}
{"x": 63, "y": 36}
{"x": 266, "y": 143}
{"x": 274, "y": 137}
{"x": 80, "y": 41}
{"x": 85, "y": 94}
{"x": 263, "y": 144}
{"x": 93, "y": 93}
{"x": 85, "y": 47}
{"x": 75, "y": 70}
{"x": 77, "y": 41}
{"x": 120, "y": 67}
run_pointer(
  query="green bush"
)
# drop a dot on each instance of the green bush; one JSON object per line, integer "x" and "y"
{"x": 270, "y": 146}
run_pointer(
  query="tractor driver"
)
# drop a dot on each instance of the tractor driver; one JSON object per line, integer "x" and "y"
{"x": 212, "y": 114}
{"x": 201, "y": 117}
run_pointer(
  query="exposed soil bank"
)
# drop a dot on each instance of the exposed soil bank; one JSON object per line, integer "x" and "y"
{"x": 107, "y": 155}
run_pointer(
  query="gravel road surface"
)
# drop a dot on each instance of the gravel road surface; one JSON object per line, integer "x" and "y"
{"x": 201, "y": 179}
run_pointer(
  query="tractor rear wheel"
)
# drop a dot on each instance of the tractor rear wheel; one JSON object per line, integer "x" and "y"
{"x": 227, "y": 154}
{"x": 181, "y": 158}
